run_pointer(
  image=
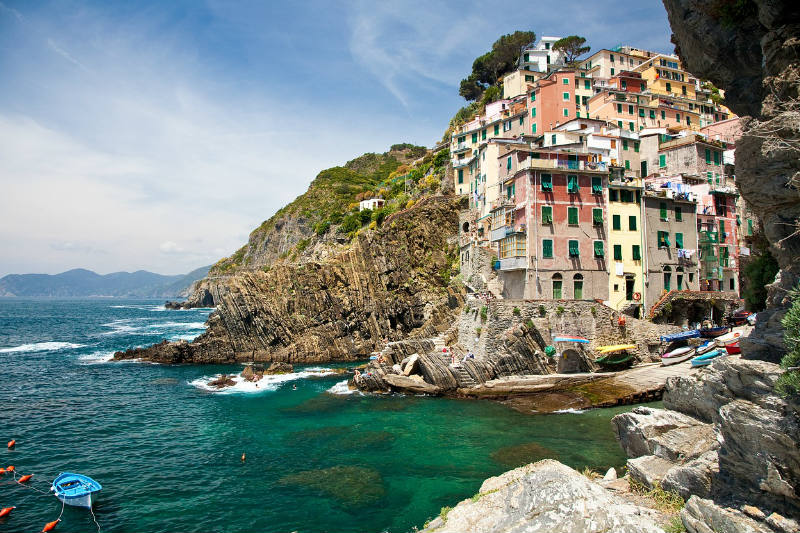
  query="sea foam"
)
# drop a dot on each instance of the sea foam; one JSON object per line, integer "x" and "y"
{"x": 267, "y": 383}
{"x": 341, "y": 388}
{"x": 42, "y": 347}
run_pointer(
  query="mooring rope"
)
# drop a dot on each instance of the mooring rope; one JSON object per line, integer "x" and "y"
{"x": 40, "y": 491}
{"x": 95, "y": 519}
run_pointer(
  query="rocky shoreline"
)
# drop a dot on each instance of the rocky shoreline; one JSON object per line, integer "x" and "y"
{"x": 725, "y": 443}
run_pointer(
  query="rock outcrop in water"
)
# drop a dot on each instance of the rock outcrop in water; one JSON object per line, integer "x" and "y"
{"x": 726, "y": 442}
{"x": 751, "y": 49}
{"x": 387, "y": 284}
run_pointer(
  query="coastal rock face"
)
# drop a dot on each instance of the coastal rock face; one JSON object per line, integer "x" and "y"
{"x": 751, "y": 50}
{"x": 387, "y": 284}
{"x": 544, "y": 497}
{"x": 725, "y": 435}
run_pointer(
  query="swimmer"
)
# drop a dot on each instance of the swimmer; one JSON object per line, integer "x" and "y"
{"x": 243, "y": 457}
{"x": 294, "y": 387}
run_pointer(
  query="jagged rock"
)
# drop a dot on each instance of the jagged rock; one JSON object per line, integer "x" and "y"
{"x": 410, "y": 384}
{"x": 221, "y": 382}
{"x": 544, "y": 497}
{"x": 704, "y": 516}
{"x": 782, "y": 524}
{"x": 279, "y": 368}
{"x": 648, "y": 469}
{"x": 251, "y": 375}
{"x": 694, "y": 477}
{"x": 670, "y": 435}
{"x": 611, "y": 474}
{"x": 410, "y": 365}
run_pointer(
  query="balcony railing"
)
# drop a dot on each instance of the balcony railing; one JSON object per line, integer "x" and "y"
{"x": 563, "y": 164}
{"x": 513, "y": 263}
{"x": 460, "y": 147}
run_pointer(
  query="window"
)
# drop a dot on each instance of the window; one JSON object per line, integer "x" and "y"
{"x": 641, "y": 112}
{"x": 566, "y": 95}
{"x": 663, "y": 239}
{"x": 508, "y": 163}
{"x": 652, "y": 113}
{"x": 533, "y": 128}
{"x": 662, "y": 208}
{"x": 662, "y": 161}
{"x": 636, "y": 253}
{"x": 716, "y": 158}
{"x": 533, "y": 112}
{"x": 497, "y": 129}
{"x": 678, "y": 214}
{"x": 474, "y": 138}
{"x": 632, "y": 223}
{"x": 619, "y": 108}
{"x": 566, "y": 112}
{"x": 613, "y": 195}
{"x": 627, "y": 164}
{"x": 732, "y": 284}
{"x": 483, "y": 134}
{"x": 624, "y": 144}
{"x": 597, "y": 217}
{"x": 708, "y": 156}
{"x": 461, "y": 175}
{"x": 612, "y": 57}
{"x": 547, "y": 248}
{"x": 557, "y": 289}
{"x": 619, "y": 123}
{"x": 679, "y": 240}
{"x": 553, "y": 138}
{"x": 688, "y": 120}
{"x": 667, "y": 279}
{"x": 669, "y": 87}
{"x": 547, "y": 214}
{"x": 617, "y": 252}
{"x": 612, "y": 71}
{"x": 721, "y": 230}
{"x": 683, "y": 89}
{"x": 598, "y": 249}
{"x": 636, "y": 146}
{"x": 565, "y": 80}
{"x": 577, "y": 287}
{"x": 574, "y": 249}
{"x": 631, "y": 126}
{"x": 709, "y": 178}
{"x": 624, "y": 84}
{"x": 572, "y": 216}
{"x": 547, "y": 182}
{"x": 678, "y": 117}
{"x": 597, "y": 185}
{"x": 587, "y": 84}
{"x": 630, "y": 109}
{"x": 615, "y": 222}
{"x": 749, "y": 227}
{"x": 533, "y": 97}
{"x": 572, "y": 183}
{"x": 663, "y": 115}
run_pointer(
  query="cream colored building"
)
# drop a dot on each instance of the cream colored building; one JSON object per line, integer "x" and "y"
{"x": 520, "y": 82}
{"x": 625, "y": 244}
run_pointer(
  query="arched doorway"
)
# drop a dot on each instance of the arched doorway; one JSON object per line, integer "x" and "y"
{"x": 679, "y": 278}
{"x": 577, "y": 287}
{"x": 557, "y": 287}
{"x": 667, "y": 278}
{"x": 571, "y": 361}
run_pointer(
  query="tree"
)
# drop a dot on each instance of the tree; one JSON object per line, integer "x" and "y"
{"x": 488, "y": 68}
{"x": 470, "y": 89}
{"x": 789, "y": 382}
{"x": 572, "y": 47}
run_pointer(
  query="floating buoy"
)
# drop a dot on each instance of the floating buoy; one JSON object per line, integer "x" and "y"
{"x": 50, "y": 525}
{"x": 10, "y": 468}
{"x": 244, "y": 457}
{"x": 6, "y": 511}
{"x": 11, "y": 444}
{"x": 23, "y": 479}
{"x": 2, "y": 471}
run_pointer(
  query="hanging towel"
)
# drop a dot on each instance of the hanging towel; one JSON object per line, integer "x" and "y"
{"x": 619, "y": 269}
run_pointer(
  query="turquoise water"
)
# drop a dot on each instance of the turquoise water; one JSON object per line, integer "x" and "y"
{"x": 167, "y": 451}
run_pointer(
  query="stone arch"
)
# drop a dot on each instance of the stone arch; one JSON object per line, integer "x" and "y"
{"x": 571, "y": 361}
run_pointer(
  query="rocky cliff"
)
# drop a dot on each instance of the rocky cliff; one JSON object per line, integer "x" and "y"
{"x": 389, "y": 283}
{"x": 751, "y": 49}
{"x": 726, "y": 443}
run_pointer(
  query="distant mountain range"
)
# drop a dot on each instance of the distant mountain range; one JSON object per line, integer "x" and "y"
{"x": 80, "y": 282}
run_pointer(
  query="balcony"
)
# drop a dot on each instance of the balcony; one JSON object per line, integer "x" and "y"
{"x": 563, "y": 164}
{"x": 513, "y": 263}
{"x": 502, "y": 232}
{"x": 461, "y": 163}
{"x": 460, "y": 147}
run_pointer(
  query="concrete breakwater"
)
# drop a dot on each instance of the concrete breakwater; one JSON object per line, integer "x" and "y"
{"x": 497, "y": 349}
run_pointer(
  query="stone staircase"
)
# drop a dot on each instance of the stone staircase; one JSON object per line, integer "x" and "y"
{"x": 463, "y": 376}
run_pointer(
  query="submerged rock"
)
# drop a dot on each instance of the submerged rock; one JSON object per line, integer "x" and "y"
{"x": 545, "y": 497}
{"x": 351, "y": 486}
{"x": 522, "y": 454}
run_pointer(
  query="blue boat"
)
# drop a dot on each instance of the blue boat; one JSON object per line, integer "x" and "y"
{"x": 681, "y": 335}
{"x": 706, "y": 358}
{"x": 75, "y": 489}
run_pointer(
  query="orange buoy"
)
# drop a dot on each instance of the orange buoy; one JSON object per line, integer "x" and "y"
{"x": 6, "y": 511}
{"x": 10, "y": 468}
{"x": 11, "y": 444}
{"x": 23, "y": 479}
{"x": 2, "y": 471}
{"x": 51, "y": 525}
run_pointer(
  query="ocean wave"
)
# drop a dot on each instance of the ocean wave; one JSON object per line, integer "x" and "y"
{"x": 42, "y": 347}
{"x": 141, "y": 307}
{"x": 341, "y": 388}
{"x": 181, "y": 325}
{"x": 570, "y": 410}
{"x": 267, "y": 383}
{"x": 125, "y": 326}
{"x": 95, "y": 358}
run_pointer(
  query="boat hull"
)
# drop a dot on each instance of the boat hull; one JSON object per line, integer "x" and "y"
{"x": 713, "y": 332}
{"x": 733, "y": 348}
{"x": 86, "y": 500}
{"x": 680, "y": 352}
{"x": 706, "y": 348}
{"x": 705, "y": 360}
{"x": 666, "y": 361}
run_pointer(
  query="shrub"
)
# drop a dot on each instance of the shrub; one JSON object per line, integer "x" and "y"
{"x": 380, "y": 215}
{"x": 529, "y": 324}
{"x": 759, "y": 272}
{"x": 302, "y": 245}
{"x": 789, "y": 382}
{"x": 594, "y": 311}
{"x": 321, "y": 228}
{"x": 365, "y": 216}
{"x": 560, "y": 310}
{"x": 516, "y": 311}
{"x": 350, "y": 223}
{"x": 542, "y": 311}
{"x": 484, "y": 313}
{"x": 478, "y": 331}
{"x": 410, "y": 204}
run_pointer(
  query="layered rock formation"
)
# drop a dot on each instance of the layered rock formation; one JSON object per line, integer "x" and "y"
{"x": 548, "y": 497}
{"x": 751, "y": 49}
{"x": 387, "y": 284}
{"x": 726, "y": 442}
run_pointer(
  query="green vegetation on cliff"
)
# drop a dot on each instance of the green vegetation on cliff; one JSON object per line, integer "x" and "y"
{"x": 789, "y": 382}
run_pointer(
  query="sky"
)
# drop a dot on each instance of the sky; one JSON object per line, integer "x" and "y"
{"x": 156, "y": 135}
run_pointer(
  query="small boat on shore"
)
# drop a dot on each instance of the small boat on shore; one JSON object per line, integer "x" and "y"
{"x": 733, "y": 348}
{"x": 568, "y": 338}
{"x": 614, "y": 359}
{"x": 615, "y": 348}
{"x": 733, "y": 336}
{"x": 681, "y": 336}
{"x": 666, "y": 361}
{"x": 679, "y": 352}
{"x": 705, "y": 359}
{"x": 706, "y": 347}
{"x": 714, "y": 332}
{"x": 75, "y": 489}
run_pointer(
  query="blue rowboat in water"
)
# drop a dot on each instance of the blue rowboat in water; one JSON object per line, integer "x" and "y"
{"x": 75, "y": 489}
{"x": 706, "y": 358}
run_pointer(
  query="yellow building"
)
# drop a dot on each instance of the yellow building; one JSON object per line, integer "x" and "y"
{"x": 520, "y": 82}
{"x": 626, "y": 279}
{"x": 665, "y": 76}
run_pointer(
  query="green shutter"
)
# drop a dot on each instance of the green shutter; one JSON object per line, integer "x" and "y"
{"x": 547, "y": 182}
{"x": 533, "y": 112}
{"x": 662, "y": 207}
{"x": 616, "y": 224}
{"x": 662, "y": 161}
{"x": 617, "y": 252}
{"x": 597, "y": 185}
{"x": 533, "y": 97}
{"x": 678, "y": 214}
{"x": 652, "y": 113}
{"x": 497, "y": 129}
{"x": 461, "y": 175}
{"x": 547, "y": 248}
{"x": 508, "y": 163}
{"x": 663, "y": 115}
{"x": 586, "y": 84}
{"x": 474, "y": 137}
{"x": 721, "y": 229}
{"x": 630, "y": 109}
{"x": 679, "y": 240}
{"x": 627, "y": 164}
{"x": 716, "y": 158}
{"x": 641, "y": 112}
{"x": 749, "y": 227}
{"x": 522, "y": 120}
{"x": 557, "y": 289}
{"x": 597, "y": 217}
{"x": 598, "y": 249}
{"x": 572, "y": 216}
{"x": 632, "y": 222}
{"x": 708, "y": 156}
{"x": 483, "y": 134}
{"x": 637, "y": 253}
{"x": 619, "y": 108}
{"x": 572, "y": 183}
{"x": 574, "y": 249}
{"x": 624, "y": 144}
{"x": 547, "y": 214}
{"x": 636, "y": 146}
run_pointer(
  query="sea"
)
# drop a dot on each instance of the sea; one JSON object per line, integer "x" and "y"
{"x": 167, "y": 448}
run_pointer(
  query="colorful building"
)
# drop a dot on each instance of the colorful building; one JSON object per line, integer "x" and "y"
{"x": 625, "y": 243}
{"x": 541, "y": 57}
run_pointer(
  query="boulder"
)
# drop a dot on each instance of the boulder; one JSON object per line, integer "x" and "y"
{"x": 667, "y": 434}
{"x": 704, "y": 516}
{"x": 410, "y": 384}
{"x": 694, "y": 477}
{"x": 545, "y": 497}
{"x": 279, "y": 368}
{"x": 221, "y": 382}
{"x": 410, "y": 365}
{"x": 648, "y": 470}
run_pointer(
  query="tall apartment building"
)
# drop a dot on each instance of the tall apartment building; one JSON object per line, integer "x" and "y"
{"x": 559, "y": 97}
{"x": 541, "y": 57}
{"x": 625, "y": 243}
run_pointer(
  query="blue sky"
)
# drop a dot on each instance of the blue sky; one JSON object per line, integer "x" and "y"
{"x": 157, "y": 135}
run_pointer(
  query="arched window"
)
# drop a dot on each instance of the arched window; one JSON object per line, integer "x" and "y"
{"x": 465, "y": 227}
{"x": 557, "y": 285}
{"x": 667, "y": 278}
{"x": 679, "y": 278}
